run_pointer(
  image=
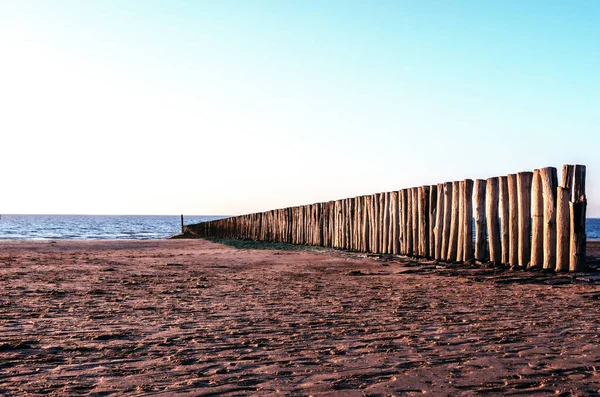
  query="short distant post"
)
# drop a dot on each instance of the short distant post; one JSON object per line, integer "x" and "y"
{"x": 181, "y": 223}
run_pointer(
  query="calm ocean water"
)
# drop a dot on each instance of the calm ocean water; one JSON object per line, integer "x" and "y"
{"x": 93, "y": 227}
{"x": 108, "y": 227}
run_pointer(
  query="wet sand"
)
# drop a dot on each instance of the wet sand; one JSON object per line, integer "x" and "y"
{"x": 191, "y": 317}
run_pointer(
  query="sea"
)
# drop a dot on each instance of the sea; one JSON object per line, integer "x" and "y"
{"x": 94, "y": 227}
{"x": 124, "y": 227}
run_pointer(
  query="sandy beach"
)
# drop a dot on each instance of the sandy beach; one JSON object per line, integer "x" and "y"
{"x": 192, "y": 317}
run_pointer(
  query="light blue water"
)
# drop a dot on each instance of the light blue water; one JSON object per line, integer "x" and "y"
{"x": 93, "y": 227}
{"x": 108, "y": 227}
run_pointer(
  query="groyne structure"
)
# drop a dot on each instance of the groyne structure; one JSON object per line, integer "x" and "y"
{"x": 525, "y": 220}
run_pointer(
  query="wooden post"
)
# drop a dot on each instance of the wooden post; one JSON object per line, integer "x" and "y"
{"x": 377, "y": 226}
{"x": 578, "y": 211}
{"x": 403, "y": 220}
{"x": 493, "y": 226}
{"x": 182, "y": 227}
{"x": 385, "y": 215}
{"x": 461, "y": 223}
{"x": 480, "y": 225}
{"x": 537, "y": 222}
{"x": 513, "y": 221}
{"x": 439, "y": 222}
{"x": 447, "y": 220}
{"x": 424, "y": 221}
{"x": 563, "y": 228}
{"x": 467, "y": 220}
{"x": 504, "y": 216}
{"x": 524, "y": 180}
{"x": 395, "y": 219}
{"x": 549, "y": 183}
{"x": 415, "y": 220}
{"x": 366, "y": 224}
{"x": 567, "y": 177}
{"x": 454, "y": 221}
{"x": 409, "y": 223}
{"x": 433, "y": 198}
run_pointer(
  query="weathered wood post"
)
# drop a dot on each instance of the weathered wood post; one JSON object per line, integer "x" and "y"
{"x": 524, "y": 180}
{"x": 513, "y": 221}
{"x": 563, "y": 228}
{"x": 409, "y": 225}
{"x": 454, "y": 221}
{"x": 447, "y": 220}
{"x": 439, "y": 222}
{"x": 424, "y": 221}
{"x": 395, "y": 221}
{"x": 461, "y": 223}
{"x": 433, "y": 198}
{"x": 537, "y": 222}
{"x": 377, "y": 223}
{"x": 493, "y": 226}
{"x": 480, "y": 225}
{"x": 467, "y": 220}
{"x": 366, "y": 243}
{"x": 577, "y": 214}
{"x": 504, "y": 207}
{"x": 385, "y": 238}
{"x": 549, "y": 184}
{"x": 415, "y": 220}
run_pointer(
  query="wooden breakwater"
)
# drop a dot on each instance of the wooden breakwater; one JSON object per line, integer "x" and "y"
{"x": 525, "y": 220}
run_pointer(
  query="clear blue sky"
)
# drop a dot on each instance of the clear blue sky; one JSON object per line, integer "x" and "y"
{"x": 228, "y": 107}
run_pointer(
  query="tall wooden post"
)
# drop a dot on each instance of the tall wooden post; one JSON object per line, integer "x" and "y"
{"x": 493, "y": 226}
{"x": 537, "y": 222}
{"x": 403, "y": 221}
{"x": 513, "y": 221}
{"x": 439, "y": 222}
{"x": 480, "y": 225}
{"x": 461, "y": 222}
{"x": 549, "y": 184}
{"x": 433, "y": 198}
{"x": 467, "y": 220}
{"x": 409, "y": 223}
{"x": 395, "y": 223}
{"x": 447, "y": 220}
{"x": 524, "y": 180}
{"x": 424, "y": 221}
{"x": 563, "y": 227}
{"x": 578, "y": 211}
{"x": 415, "y": 220}
{"x": 504, "y": 216}
{"x": 454, "y": 221}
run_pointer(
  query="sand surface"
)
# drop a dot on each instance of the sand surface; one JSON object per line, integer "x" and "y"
{"x": 191, "y": 317}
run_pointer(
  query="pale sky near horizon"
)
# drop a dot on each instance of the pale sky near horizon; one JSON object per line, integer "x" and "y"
{"x": 230, "y": 107}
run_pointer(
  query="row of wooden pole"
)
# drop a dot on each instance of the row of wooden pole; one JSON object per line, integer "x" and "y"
{"x": 520, "y": 220}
